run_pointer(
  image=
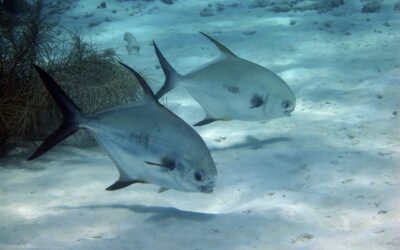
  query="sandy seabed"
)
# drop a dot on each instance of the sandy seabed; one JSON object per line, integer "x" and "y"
{"x": 325, "y": 178}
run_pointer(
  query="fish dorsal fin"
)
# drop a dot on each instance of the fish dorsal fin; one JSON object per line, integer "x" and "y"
{"x": 224, "y": 50}
{"x": 147, "y": 92}
{"x": 122, "y": 184}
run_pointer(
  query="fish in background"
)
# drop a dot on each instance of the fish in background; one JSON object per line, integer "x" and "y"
{"x": 147, "y": 142}
{"x": 231, "y": 88}
{"x": 132, "y": 46}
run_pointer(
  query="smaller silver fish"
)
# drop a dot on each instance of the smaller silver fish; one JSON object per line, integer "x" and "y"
{"x": 147, "y": 142}
{"x": 231, "y": 88}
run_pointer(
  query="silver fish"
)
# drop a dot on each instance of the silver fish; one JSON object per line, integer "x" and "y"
{"x": 231, "y": 88}
{"x": 147, "y": 142}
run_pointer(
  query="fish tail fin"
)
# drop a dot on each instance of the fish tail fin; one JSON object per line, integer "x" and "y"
{"x": 171, "y": 75}
{"x": 72, "y": 116}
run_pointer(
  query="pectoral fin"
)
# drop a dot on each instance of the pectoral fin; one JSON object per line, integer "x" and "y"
{"x": 122, "y": 184}
{"x": 165, "y": 163}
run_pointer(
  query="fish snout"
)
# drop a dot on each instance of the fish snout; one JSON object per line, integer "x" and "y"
{"x": 288, "y": 112}
{"x": 288, "y": 106}
{"x": 207, "y": 187}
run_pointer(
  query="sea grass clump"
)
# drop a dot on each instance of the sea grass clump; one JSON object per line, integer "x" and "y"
{"x": 91, "y": 77}
{"x": 25, "y": 38}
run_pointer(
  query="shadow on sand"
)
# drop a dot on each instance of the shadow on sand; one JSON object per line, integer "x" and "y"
{"x": 253, "y": 143}
{"x": 157, "y": 213}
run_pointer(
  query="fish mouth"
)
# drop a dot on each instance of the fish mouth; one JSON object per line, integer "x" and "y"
{"x": 206, "y": 189}
{"x": 287, "y": 112}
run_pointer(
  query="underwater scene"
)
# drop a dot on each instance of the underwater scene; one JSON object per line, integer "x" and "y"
{"x": 199, "y": 124}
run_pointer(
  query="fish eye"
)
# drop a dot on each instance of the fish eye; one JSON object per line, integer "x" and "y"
{"x": 198, "y": 176}
{"x": 286, "y": 104}
{"x": 256, "y": 101}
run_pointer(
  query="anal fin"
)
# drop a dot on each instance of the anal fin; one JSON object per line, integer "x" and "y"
{"x": 208, "y": 120}
{"x": 162, "y": 190}
{"x": 122, "y": 184}
{"x": 205, "y": 121}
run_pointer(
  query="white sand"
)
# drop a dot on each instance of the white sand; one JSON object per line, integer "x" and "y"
{"x": 325, "y": 178}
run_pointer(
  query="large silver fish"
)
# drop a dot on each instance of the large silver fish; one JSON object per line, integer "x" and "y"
{"x": 147, "y": 142}
{"x": 231, "y": 88}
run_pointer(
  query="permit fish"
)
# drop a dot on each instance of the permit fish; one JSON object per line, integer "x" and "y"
{"x": 231, "y": 88}
{"x": 147, "y": 142}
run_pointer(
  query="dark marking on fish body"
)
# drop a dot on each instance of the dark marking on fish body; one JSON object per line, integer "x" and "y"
{"x": 232, "y": 88}
{"x": 256, "y": 101}
{"x": 141, "y": 139}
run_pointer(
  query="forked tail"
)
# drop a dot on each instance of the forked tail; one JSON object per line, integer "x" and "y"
{"x": 171, "y": 76}
{"x": 71, "y": 115}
